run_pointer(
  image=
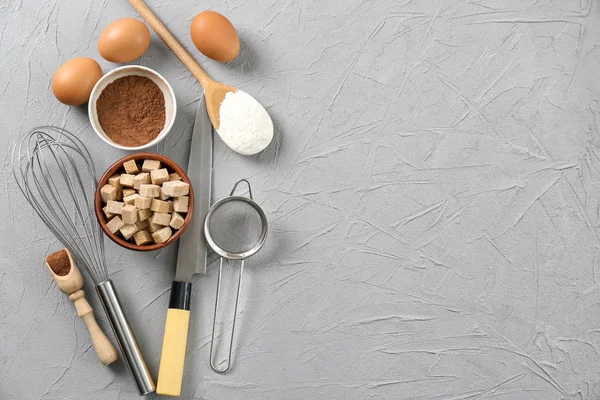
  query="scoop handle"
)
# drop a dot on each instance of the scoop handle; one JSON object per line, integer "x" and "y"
{"x": 170, "y": 40}
{"x": 104, "y": 348}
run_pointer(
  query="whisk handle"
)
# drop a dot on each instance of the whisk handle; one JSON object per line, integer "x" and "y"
{"x": 172, "y": 359}
{"x": 125, "y": 337}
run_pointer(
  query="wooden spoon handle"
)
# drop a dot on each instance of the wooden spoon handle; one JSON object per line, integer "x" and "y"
{"x": 171, "y": 41}
{"x": 104, "y": 348}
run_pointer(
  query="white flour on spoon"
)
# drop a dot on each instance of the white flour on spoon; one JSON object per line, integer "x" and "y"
{"x": 244, "y": 124}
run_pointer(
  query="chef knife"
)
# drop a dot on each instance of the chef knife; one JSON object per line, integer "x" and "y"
{"x": 191, "y": 258}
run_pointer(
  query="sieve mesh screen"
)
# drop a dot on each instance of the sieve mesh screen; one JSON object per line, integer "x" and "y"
{"x": 235, "y": 226}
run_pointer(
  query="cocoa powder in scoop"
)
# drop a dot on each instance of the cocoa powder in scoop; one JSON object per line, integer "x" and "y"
{"x": 131, "y": 110}
{"x": 59, "y": 262}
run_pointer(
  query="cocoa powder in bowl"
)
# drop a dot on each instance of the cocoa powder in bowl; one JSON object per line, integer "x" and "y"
{"x": 131, "y": 110}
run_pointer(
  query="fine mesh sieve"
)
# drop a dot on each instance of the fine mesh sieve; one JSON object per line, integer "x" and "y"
{"x": 235, "y": 228}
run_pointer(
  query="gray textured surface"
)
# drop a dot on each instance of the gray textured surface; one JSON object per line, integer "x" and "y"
{"x": 433, "y": 195}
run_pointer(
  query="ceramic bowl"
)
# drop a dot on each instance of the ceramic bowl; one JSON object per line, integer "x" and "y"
{"x": 128, "y": 70}
{"x": 117, "y": 167}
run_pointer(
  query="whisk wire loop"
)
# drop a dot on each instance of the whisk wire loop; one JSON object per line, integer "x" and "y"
{"x": 55, "y": 173}
{"x": 57, "y": 204}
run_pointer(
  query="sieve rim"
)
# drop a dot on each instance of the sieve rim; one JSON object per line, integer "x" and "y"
{"x": 230, "y": 255}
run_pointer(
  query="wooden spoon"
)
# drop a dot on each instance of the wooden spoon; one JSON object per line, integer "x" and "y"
{"x": 69, "y": 280}
{"x": 214, "y": 91}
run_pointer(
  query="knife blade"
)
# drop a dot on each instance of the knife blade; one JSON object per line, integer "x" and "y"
{"x": 192, "y": 254}
{"x": 191, "y": 258}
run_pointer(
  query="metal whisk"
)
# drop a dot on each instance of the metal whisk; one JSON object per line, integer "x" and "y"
{"x": 56, "y": 175}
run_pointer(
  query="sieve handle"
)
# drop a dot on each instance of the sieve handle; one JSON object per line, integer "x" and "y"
{"x": 125, "y": 337}
{"x": 213, "y": 364}
{"x": 172, "y": 359}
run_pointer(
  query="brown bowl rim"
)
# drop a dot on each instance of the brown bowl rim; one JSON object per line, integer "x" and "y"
{"x": 117, "y": 165}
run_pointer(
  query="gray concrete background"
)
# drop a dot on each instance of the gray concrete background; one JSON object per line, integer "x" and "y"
{"x": 433, "y": 193}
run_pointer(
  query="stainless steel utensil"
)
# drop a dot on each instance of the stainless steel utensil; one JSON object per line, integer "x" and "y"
{"x": 191, "y": 258}
{"x": 235, "y": 228}
{"x": 55, "y": 173}
{"x": 192, "y": 245}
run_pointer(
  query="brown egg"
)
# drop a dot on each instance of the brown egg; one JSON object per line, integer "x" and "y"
{"x": 73, "y": 82}
{"x": 215, "y": 36}
{"x": 124, "y": 40}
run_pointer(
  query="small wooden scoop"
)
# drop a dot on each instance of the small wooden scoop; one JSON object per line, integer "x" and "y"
{"x": 69, "y": 280}
{"x": 215, "y": 91}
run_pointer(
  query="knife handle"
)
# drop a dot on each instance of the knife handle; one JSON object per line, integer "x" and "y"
{"x": 170, "y": 373}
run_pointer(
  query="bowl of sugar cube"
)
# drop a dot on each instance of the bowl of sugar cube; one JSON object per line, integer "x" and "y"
{"x": 144, "y": 202}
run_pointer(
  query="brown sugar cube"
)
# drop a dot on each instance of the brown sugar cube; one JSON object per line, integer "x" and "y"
{"x": 171, "y": 209}
{"x": 128, "y": 230}
{"x": 114, "y": 207}
{"x": 160, "y": 218}
{"x": 131, "y": 167}
{"x": 141, "y": 178}
{"x": 150, "y": 165}
{"x": 141, "y": 225}
{"x": 163, "y": 197}
{"x": 159, "y": 176}
{"x": 149, "y": 190}
{"x": 175, "y": 188}
{"x": 159, "y": 206}
{"x": 129, "y": 214}
{"x": 128, "y": 192}
{"x": 109, "y": 215}
{"x": 108, "y": 192}
{"x": 181, "y": 204}
{"x": 174, "y": 177}
{"x": 144, "y": 214}
{"x": 162, "y": 235}
{"x": 143, "y": 203}
{"x": 114, "y": 181}
{"x": 176, "y": 221}
{"x": 131, "y": 199}
{"x": 126, "y": 180}
{"x": 142, "y": 237}
{"x": 115, "y": 224}
{"x": 153, "y": 227}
